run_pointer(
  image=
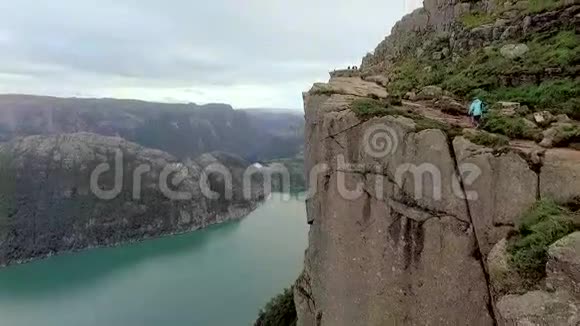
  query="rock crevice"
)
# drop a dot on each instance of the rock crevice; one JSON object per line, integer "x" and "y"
{"x": 385, "y": 240}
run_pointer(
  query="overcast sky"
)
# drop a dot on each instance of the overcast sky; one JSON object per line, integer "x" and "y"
{"x": 249, "y": 53}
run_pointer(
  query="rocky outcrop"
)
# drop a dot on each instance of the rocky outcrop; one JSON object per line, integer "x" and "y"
{"x": 560, "y": 174}
{"x": 505, "y": 186}
{"x": 404, "y": 217}
{"x": 563, "y": 266}
{"x": 380, "y": 255}
{"x": 75, "y": 191}
{"x": 413, "y": 208}
{"x": 439, "y": 30}
{"x": 559, "y": 304}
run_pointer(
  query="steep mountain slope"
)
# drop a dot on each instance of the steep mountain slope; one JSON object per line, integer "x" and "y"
{"x": 76, "y": 191}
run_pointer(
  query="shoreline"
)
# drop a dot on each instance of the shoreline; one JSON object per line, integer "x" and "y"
{"x": 234, "y": 218}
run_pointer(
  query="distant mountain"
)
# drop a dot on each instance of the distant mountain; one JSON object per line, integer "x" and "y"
{"x": 183, "y": 130}
{"x": 278, "y": 121}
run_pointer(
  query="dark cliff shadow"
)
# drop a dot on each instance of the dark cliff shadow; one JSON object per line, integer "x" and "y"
{"x": 75, "y": 271}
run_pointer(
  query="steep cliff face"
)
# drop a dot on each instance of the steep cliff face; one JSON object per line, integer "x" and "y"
{"x": 412, "y": 207}
{"x": 405, "y": 214}
{"x": 76, "y": 191}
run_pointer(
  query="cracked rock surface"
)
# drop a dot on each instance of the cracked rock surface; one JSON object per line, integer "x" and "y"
{"x": 399, "y": 239}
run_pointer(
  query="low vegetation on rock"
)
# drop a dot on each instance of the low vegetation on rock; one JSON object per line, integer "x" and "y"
{"x": 279, "y": 311}
{"x": 475, "y": 19}
{"x": 512, "y": 127}
{"x": 552, "y": 59}
{"x": 542, "y": 225}
{"x": 538, "y": 6}
{"x": 367, "y": 108}
{"x": 488, "y": 140}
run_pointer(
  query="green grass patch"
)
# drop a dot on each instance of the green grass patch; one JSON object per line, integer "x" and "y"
{"x": 552, "y": 50}
{"x": 280, "y": 311}
{"x": 476, "y": 19}
{"x": 556, "y": 96}
{"x": 542, "y": 225}
{"x": 488, "y": 140}
{"x": 367, "y": 108}
{"x": 479, "y": 73}
{"x": 570, "y": 134}
{"x": 413, "y": 73}
{"x": 483, "y": 73}
{"x": 537, "y": 6}
{"x": 326, "y": 91}
{"x": 512, "y": 127}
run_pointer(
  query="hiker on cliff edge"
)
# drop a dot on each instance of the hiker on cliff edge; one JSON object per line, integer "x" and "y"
{"x": 476, "y": 111}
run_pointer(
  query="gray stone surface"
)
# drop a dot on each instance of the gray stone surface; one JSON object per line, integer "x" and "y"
{"x": 560, "y": 174}
{"x": 430, "y": 93}
{"x": 539, "y": 308}
{"x": 514, "y": 51}
{"x": 504, "y": 189}
{"x": 563, "y": 266}
{"x": 379, "y": 257}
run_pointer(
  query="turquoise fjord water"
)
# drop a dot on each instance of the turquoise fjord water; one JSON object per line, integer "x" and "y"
{"x": 219, "y": 276}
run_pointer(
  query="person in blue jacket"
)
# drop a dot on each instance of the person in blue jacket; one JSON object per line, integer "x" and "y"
{"x": 476, "y": 111}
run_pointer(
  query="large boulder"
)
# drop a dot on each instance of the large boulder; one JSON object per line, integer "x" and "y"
{"x": 508, "y": 109}
{"x": 563, "y": 266}
{"x": 556, "y": 135}
{"x": 451, "y": 106}
{"x": 514, "y": 51}
{"x": 538, "y": 308}
{"x": 543, "y": 118}
{"x": 560, "y": 174}
{"x": 430, "y": 93}
{"x": 502, "y": 187}
{"x": 378, "y": 79}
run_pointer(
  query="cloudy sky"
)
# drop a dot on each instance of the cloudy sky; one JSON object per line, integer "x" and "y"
{"x": 249, "y": 53}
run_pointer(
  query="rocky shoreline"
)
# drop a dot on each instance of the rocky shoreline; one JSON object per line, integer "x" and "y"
{"x": 49, "y": 206}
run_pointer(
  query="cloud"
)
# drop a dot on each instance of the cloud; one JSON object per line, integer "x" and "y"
{"x": 249, "y": 53}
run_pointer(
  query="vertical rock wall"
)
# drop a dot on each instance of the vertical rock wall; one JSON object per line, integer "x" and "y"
{"x": 399, "y": 238}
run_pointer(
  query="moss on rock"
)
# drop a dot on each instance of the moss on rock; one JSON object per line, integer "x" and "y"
{"x": 542, "y": 225}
